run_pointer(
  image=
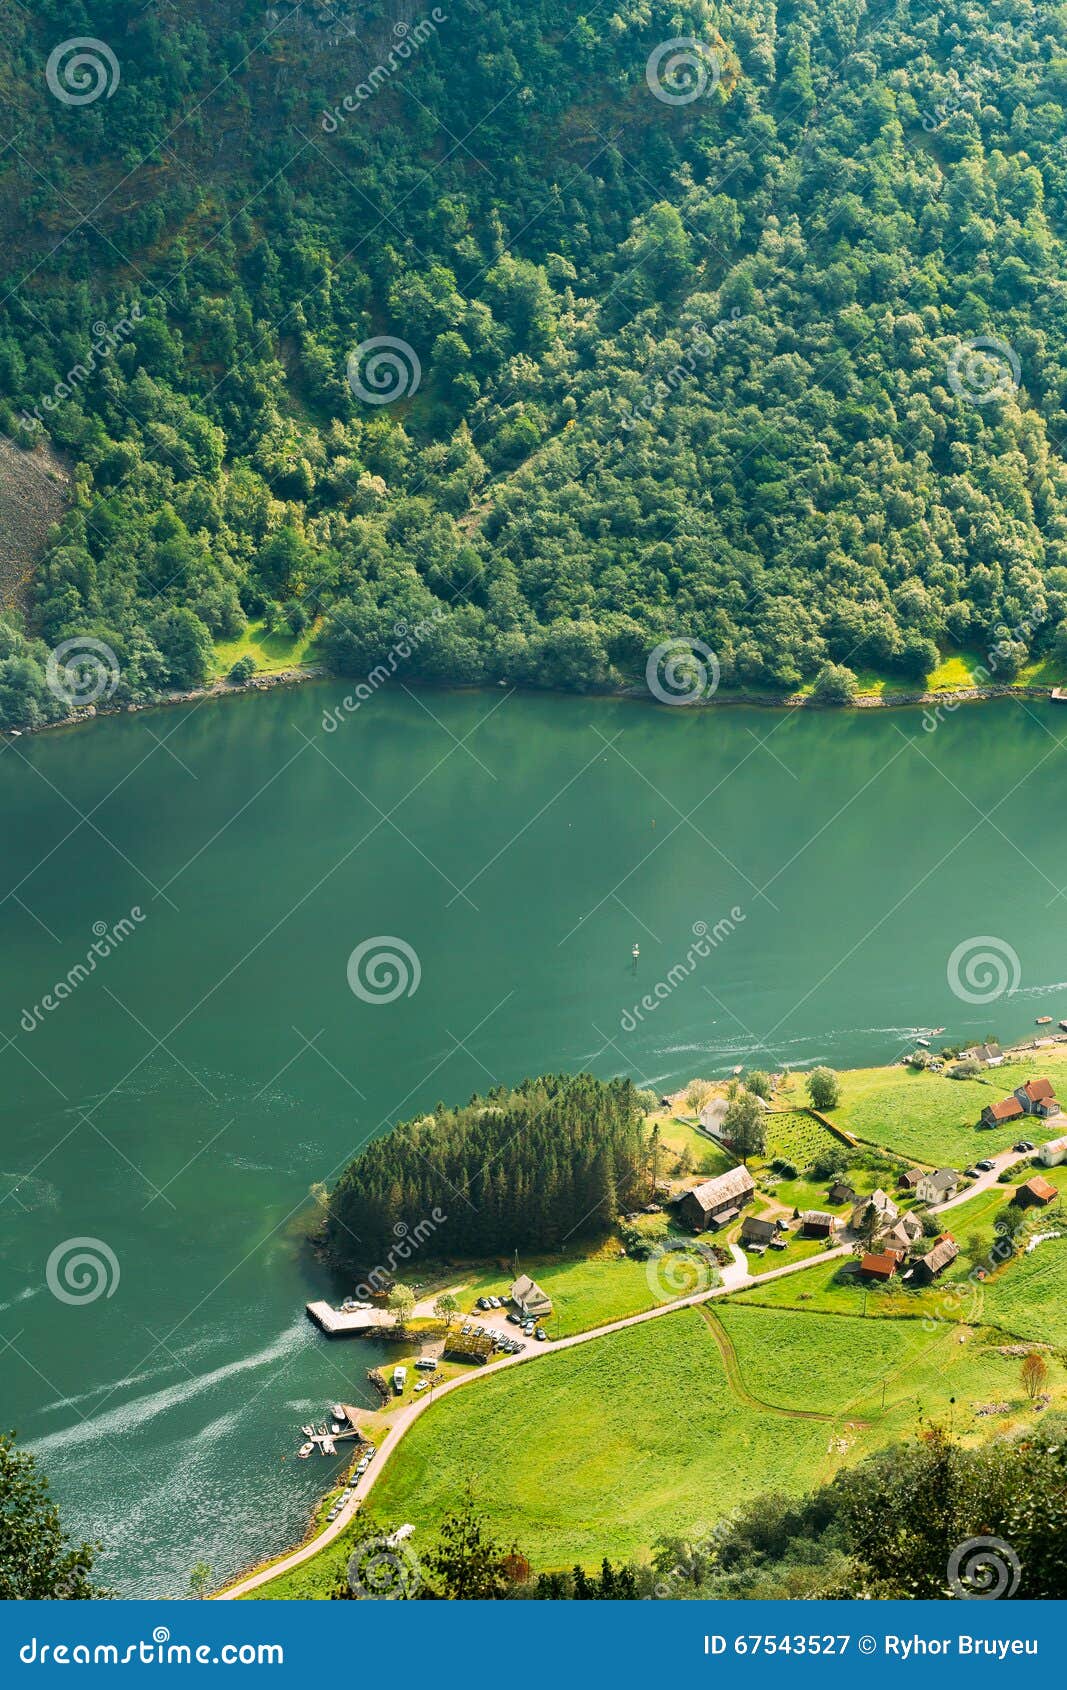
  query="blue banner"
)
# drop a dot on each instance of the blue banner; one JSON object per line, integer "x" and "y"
{"x": 536, "y": 1643}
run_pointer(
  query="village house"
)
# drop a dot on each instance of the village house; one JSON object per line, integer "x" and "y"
{"x": 1036, "y": 1191}
{"x": 883, "y": 1206}
{"x": 880, "y": 1266}
{"x": 989, "y": 1055}
{"x": 944, "y": 1251}
{"x": 902, "y": 1234}
{"x": 711, "y": 1116}
{"x": 1037, "y": 1097}
{"x": 841, "y": 1192}
{"x": 718, "y": 1201}
{"x": 529, "y": 1298}
{"x": 1053, "y": 1153}
{"x": 757, "y": 1231}
{"x": 1008, "y": 1109}
{"x": 939, "y": 1186}
{"x": 817, "y": 1223}
{"x": 910, "y": 1178}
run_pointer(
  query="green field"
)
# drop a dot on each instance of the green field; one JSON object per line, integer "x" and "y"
{"x": 797, "y": 1137}
{"x": 586, "y": 1291}
{"x": 272, "y": 652}
{"x": 705, "y": 1157}
{"x": 933, "y": 1119}
{"x": 668, "y": 1426}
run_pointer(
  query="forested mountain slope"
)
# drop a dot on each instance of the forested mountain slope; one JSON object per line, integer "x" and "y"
{"x": 688, "y": 349}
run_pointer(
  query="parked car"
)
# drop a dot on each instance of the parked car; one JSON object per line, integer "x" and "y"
{"x": 985, "y": 1165}
{"x": 494, "y": 1302}
{"x": 516, "y": 1319}
{"x": 970, "y": 1173}
{"x": 541, "y": 1334}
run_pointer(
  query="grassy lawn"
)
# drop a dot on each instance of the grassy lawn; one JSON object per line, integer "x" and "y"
{"x": 705, "y": 1157}
{"x": 601, "y": 1449}
{"x": 933, "y": 1119}
{"x": 586, "y": 1291}
{"x": 270, "y": 651}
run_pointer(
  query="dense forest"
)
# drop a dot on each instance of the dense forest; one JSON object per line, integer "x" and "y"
{"x": 550, "y": 1162}
{"x": 765, "y": 346}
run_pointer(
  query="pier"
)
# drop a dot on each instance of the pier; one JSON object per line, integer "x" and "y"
{"x": 336, "y": 1324}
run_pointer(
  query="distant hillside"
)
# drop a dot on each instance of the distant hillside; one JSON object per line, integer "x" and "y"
{"x": 759, "y": 341}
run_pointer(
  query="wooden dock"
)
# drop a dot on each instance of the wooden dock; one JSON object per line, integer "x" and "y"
{"x": 1059, "y": 695}
{"x": 336, "y": 1324}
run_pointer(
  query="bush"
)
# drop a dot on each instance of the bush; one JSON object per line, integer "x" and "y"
{"x": 786, "y": 1169}
{"x": 243, "y": 670}
{"x": 835, "y": 684}
{"x": 968, "y": 1070}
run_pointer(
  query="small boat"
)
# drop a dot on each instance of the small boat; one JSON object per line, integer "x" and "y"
{"x": 338, "y": 1412}
{"x": 1063, "y": 1024}
{"x": 938, "y": 1030}
{"x": 304, "y": 1451}
{"x": 924, "y": 1042}
{"x": 738, "y": 1070}
{"x": 1044, "y": 1020}
{"x": 335, "y": 1431}
{"x": 328, "y": 1446}
{"x": 636, "y": 952}
{"x": 308, "y": 1431}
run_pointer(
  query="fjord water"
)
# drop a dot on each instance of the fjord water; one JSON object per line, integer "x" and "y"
{"x": 178, "y": 1105}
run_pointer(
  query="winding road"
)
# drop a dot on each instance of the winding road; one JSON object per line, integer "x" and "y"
{"x": 736, "y": 1277}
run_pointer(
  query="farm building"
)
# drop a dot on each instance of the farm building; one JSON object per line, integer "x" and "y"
{"x": 841, "y": 1192}
{"x": 1038, "y": 1098}
{"x": 1035, "y": 1191}
{"x": 818, "y": 1224}
{"x": 939, "y": 1186}
{"x": 755, "y": 1231}
{"x": 880, "y": 1266}
{"x": 1053, "y": 1153}
{"x": 529, "y": 1298}
{"x": 910, "y": 1178}
{"x": 717, "y": 1201}
{"x": 1008, "y": 1109}
{"x": 944, "y": 1252}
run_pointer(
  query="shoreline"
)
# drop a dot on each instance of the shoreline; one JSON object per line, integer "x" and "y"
{"x": 949, "y": 699}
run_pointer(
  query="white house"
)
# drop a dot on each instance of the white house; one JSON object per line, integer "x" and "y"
{"x": 939, "y": 1186}
{"x": 1053, "y": 1153}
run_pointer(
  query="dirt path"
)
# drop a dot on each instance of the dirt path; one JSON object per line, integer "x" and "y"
{"x": 737, "y": 1384}
{"x": 735, "y": 1278}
